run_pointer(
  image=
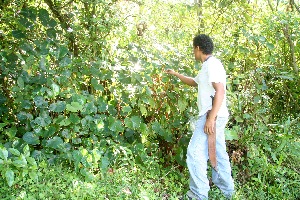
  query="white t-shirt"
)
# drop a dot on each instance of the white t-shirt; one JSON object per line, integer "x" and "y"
{"x": 212, "y": 71}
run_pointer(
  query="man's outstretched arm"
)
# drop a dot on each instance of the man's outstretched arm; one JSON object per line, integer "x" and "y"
{"x": 185, "y": 79}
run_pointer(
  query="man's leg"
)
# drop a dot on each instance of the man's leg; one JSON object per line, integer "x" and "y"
{"x": 197, "y": 156}
{"x": 222, "y": 178}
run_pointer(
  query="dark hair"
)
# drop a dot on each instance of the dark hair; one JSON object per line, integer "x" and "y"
{"x": 204, "y": 42}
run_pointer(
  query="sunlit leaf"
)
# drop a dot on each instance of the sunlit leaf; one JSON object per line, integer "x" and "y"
{"x": 58, "y": 106}
{"x": 10, "y": 177}
{"x": 230, "y": 134}
{"x": 74, "y": 107}
{"x": 3, "y": 153}
{"x": 31, "y": 138}
{"x": 55, "y": 143}
{"x": 96, "y": 85}
{"x": 44, "y": 17}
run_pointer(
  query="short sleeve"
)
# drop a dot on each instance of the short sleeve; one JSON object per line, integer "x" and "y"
{"x": 196, "y": 79}
{"x": 216, "y": 73}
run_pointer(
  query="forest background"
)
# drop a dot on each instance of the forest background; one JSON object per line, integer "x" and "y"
{"x": 87, "y": 112}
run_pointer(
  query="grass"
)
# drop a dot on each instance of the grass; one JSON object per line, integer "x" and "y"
{"x": 147, "y": 183}
{"x": 263, "y": 180}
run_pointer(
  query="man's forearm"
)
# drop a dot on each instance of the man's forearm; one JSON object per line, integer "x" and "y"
{"x": 185, "y": 79}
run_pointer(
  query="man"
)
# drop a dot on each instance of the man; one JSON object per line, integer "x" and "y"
{"x": 211, "y": 82}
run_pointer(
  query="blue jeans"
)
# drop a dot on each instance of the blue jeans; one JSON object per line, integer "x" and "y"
{"x": 197, "y": 156}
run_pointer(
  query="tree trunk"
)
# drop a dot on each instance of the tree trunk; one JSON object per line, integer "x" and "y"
{"x": 198, "y": 3}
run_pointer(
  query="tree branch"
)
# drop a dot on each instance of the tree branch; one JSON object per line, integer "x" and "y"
{"x": 294, "y": 4}
{"x": 71, "y": 37}
{"x": 270, "y": 4}
{"x": 292, "y": 48}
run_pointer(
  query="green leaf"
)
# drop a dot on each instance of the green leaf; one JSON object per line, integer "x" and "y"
{"x": 115, "y": 124}
{"x": 33, "y": 175}
{"x": 31, "y": 161}
{"x": 143, "y": 110}
{"x": 96, "y": 85}
{"x": 58, "y": 106}
{"x": 21, "y": 162}
{"x": 182, "y": 104}
{"x": 51, "y": 33}
{"x": 74, "y": 107}
{"x": 11, "y": 132}
{"x": 20, "y": 83}
{"x": 63, "y": 51}
{"x": 26, "y": 150}
{"x": 31, "y": 138}
{"x": 10, "y": 177}
{"x": 238, "y": 119}
{"x": 43, "y": 121}
{"x": 270, "y": 46}
{"x": 157, "y": 128}
{"x": 3, "y": 153}
{"x": 66, "y": 61}
{"x": 104, "y": 163}
{"x": 256, "y": 99}
{"x": 29, "y": 12}
{"x": 136, "y": 121}
{"x": 24, "y": 22}
{"x": 55, "y": 143}
{"x": 55, "y": 88}
{"x": 13, "y": 151}
{"x": 231, "y": 134}
{"x": 52, "y": 23}
{"x": 18, "y": 34}
{"x": 262, "y": 39}
{"x": 89, "y": 108}
{"x": 40, "y": 102}
{"x": 74, "y": 118}
{"x": 126, "y": 109}
{"x": 44, "y": 16}
{"x": 128, "y": 123}
{"x": 65, "y": 122}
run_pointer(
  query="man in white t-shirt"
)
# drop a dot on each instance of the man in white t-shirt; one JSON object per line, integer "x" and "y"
{"x": 211, "y": 83}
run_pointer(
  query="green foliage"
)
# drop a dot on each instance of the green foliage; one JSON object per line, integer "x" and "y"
{"x": 81, "y": 85}
{"x": 15, "y": 165}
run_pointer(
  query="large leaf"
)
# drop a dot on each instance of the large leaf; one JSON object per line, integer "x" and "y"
{"x": 182, "y": 104}
{"x": 44, "y": 17}
{"x": 10, "y": 177}
{"x": 55, "y": 143}
{"x": 97, "y": 85}
{"x": 74, "y": 107}
{"x": 115, "y": 124}
{"x": 231, "y": 134}
{"x": 20, "y": 162}
{"x": 58, "y": 106}
{"x": 18, "y": 34}
{"x": 40, "y": 102}
{"x": 43, "y": 121}
{"x": 15, "y": 152}
{"x": 31, "y": 138}
{"x": 3, "y": 153}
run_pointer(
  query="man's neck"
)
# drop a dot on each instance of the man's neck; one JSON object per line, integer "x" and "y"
{"x": 205, "y": 57}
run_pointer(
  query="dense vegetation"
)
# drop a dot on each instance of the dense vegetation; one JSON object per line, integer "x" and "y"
{"x": 84, "y": 94}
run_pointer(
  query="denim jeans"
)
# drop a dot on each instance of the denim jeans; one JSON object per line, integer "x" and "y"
{"x": 197, "y": 157}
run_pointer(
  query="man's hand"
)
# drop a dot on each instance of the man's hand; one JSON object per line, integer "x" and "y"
{"x": 170, "y": 71}
{"x": 209, "y": 126}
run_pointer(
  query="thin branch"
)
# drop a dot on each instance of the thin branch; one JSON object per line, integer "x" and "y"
{"x": 270, "y": 4}
{"x": 292, "y": 48}
{"x": 294, "y": 4}
{"x": 65, "y": 25}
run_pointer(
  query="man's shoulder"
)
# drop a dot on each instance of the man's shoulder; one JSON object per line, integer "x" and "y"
{"x": 214, "y": 60}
